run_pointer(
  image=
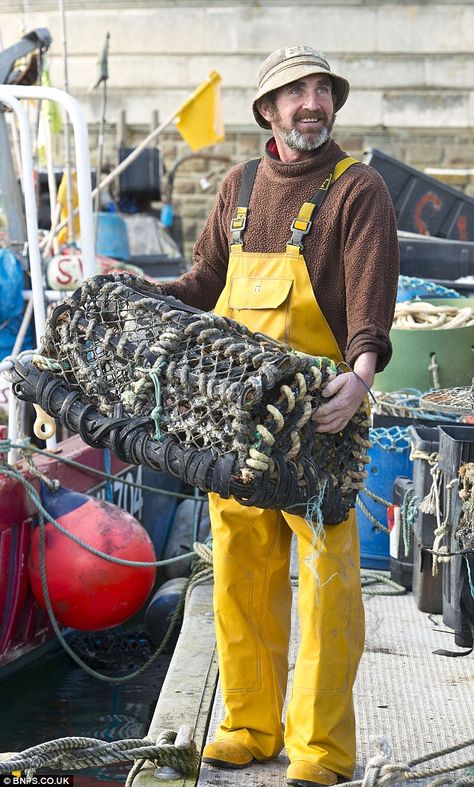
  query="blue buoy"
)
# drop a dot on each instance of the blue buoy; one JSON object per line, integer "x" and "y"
{"x": 389, "y": 457}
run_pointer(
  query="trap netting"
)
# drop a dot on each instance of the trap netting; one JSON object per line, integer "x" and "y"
{"x": 197, "y": 395}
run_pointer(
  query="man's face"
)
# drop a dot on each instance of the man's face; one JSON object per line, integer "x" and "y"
{"x": 302, "y": 112}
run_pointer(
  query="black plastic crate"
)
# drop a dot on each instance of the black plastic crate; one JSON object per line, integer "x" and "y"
{"x": 456, "y": 448}
{"x": 427, "y": 588}
{"x": 401, "y": 562}
{"x": 458, "y": 604}
{"x": 143, "y": 177}
{"x": 426, "y": 440}
{"x": 423, "y": 204}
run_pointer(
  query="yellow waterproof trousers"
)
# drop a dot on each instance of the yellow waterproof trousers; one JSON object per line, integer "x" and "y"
{"x": 252, "y": 599}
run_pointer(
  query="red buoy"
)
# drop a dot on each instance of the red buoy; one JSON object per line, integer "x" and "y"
{"x": 88, "y": 592}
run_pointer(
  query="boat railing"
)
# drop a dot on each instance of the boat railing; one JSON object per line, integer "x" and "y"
{"x": 10, "y": 95}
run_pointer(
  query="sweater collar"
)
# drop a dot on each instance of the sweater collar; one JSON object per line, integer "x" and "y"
{"x": 325, "y": 156}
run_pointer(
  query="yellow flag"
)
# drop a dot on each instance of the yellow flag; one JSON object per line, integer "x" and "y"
{"x": 199, "y": 119}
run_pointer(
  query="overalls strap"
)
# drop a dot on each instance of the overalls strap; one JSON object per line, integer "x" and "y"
{"x": 237, "y": 225}
{"x": 303, "y": 222}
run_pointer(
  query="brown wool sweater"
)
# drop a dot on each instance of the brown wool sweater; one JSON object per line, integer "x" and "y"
{"x": 351, "y": 251}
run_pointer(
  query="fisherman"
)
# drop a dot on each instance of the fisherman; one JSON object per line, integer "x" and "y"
{"x": 313, "y": 262}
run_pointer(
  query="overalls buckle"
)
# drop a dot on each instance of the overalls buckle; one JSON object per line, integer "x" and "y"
{"x": 299, "y": 228}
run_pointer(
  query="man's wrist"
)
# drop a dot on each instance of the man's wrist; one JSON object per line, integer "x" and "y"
{"x": 366, "y": 385}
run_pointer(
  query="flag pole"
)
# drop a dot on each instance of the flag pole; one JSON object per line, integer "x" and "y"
{"x": 102, "y": 80}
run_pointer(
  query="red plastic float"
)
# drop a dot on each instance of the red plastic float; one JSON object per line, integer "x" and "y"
{"x": 88, "y": 592}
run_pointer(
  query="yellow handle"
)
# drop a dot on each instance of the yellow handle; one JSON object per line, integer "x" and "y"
{"x": 44, "y": 426}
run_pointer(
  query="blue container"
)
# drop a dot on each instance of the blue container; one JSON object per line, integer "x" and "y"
{"x": 112, "y": 238}
{"x": 389, "y": 457}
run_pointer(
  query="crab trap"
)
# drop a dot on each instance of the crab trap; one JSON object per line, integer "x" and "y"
{"x": 200, "y": 396}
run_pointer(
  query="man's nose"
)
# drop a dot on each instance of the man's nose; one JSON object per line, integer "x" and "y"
{"x": 312, "y": 100}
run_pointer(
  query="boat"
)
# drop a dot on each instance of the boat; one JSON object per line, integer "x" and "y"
{"x": 26, "y": 632}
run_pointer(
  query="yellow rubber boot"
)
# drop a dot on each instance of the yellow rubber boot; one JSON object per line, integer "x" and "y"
{"x": 320, "y": 724}
{"x": 306, "y": 774}
{"x": 227, "y": 754}
{"x": 252, "y": 603}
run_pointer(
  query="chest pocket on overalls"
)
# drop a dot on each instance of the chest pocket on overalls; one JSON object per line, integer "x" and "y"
{"x": 262, "y": 304}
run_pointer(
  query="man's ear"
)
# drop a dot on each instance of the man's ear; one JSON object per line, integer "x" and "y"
{"x": 265, "y": 108}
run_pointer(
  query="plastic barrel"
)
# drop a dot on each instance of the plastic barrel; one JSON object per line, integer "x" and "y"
{"x": 389, "y": 457}
{"x": 112, "y": 238}
{"x": 413, "y": 351}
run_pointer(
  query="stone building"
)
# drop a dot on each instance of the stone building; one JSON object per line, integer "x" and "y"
{"x": 410, "y": 64}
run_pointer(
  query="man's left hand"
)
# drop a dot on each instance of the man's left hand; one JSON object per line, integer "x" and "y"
{"x": 347, "y": 393}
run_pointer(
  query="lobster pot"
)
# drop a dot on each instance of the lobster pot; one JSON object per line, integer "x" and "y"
{"x": 416, "y": 353}
{"x": 389, "y": 457}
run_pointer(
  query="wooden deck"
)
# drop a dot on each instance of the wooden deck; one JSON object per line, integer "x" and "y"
{"x": 419, "y": 701}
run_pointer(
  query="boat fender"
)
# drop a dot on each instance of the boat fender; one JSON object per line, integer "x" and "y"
{"x": 161, "y": 608}
{"x": 89, "y": 592}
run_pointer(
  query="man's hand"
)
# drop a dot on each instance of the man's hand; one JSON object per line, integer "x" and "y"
{"x": 347, "y": 393}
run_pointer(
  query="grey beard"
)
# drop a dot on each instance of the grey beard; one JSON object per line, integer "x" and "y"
{"x": 298, "y": 141}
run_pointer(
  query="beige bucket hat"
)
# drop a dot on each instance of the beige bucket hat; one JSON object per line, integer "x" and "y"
{"x": 295, "y": 62}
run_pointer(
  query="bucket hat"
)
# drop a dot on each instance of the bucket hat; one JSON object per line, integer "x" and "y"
{"x": 287, "y": 65}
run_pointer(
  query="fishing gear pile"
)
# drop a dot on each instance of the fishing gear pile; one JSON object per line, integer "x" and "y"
{"x": 168, "y": 386}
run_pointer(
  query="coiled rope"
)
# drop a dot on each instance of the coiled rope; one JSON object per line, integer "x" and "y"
{"x": 418, "y": 315}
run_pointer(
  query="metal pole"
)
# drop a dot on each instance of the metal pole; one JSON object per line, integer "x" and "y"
{"x": 82, "y": 160}
{"x": 102, "y": 80}
{"x": 30, "y": 207}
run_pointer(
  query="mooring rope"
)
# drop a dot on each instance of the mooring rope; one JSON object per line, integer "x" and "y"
{"x": 380, "y": 772}
{"x": 26, "y": 447}
{"x": 369, "y": 515}
{"x": 12, "y": 472}
{"x": 75, "y": 753}
{"x": 370, "y": 577}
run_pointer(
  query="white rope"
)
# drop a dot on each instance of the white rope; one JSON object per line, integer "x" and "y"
{"x": 418, "y": 315}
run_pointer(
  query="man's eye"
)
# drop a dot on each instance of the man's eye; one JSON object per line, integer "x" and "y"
{"x": 323, "y": 89}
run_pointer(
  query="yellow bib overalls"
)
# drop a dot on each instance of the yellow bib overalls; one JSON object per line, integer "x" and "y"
{"x": 272, "y": 293}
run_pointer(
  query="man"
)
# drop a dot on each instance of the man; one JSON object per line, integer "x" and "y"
{"x": 313, "y": 262}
